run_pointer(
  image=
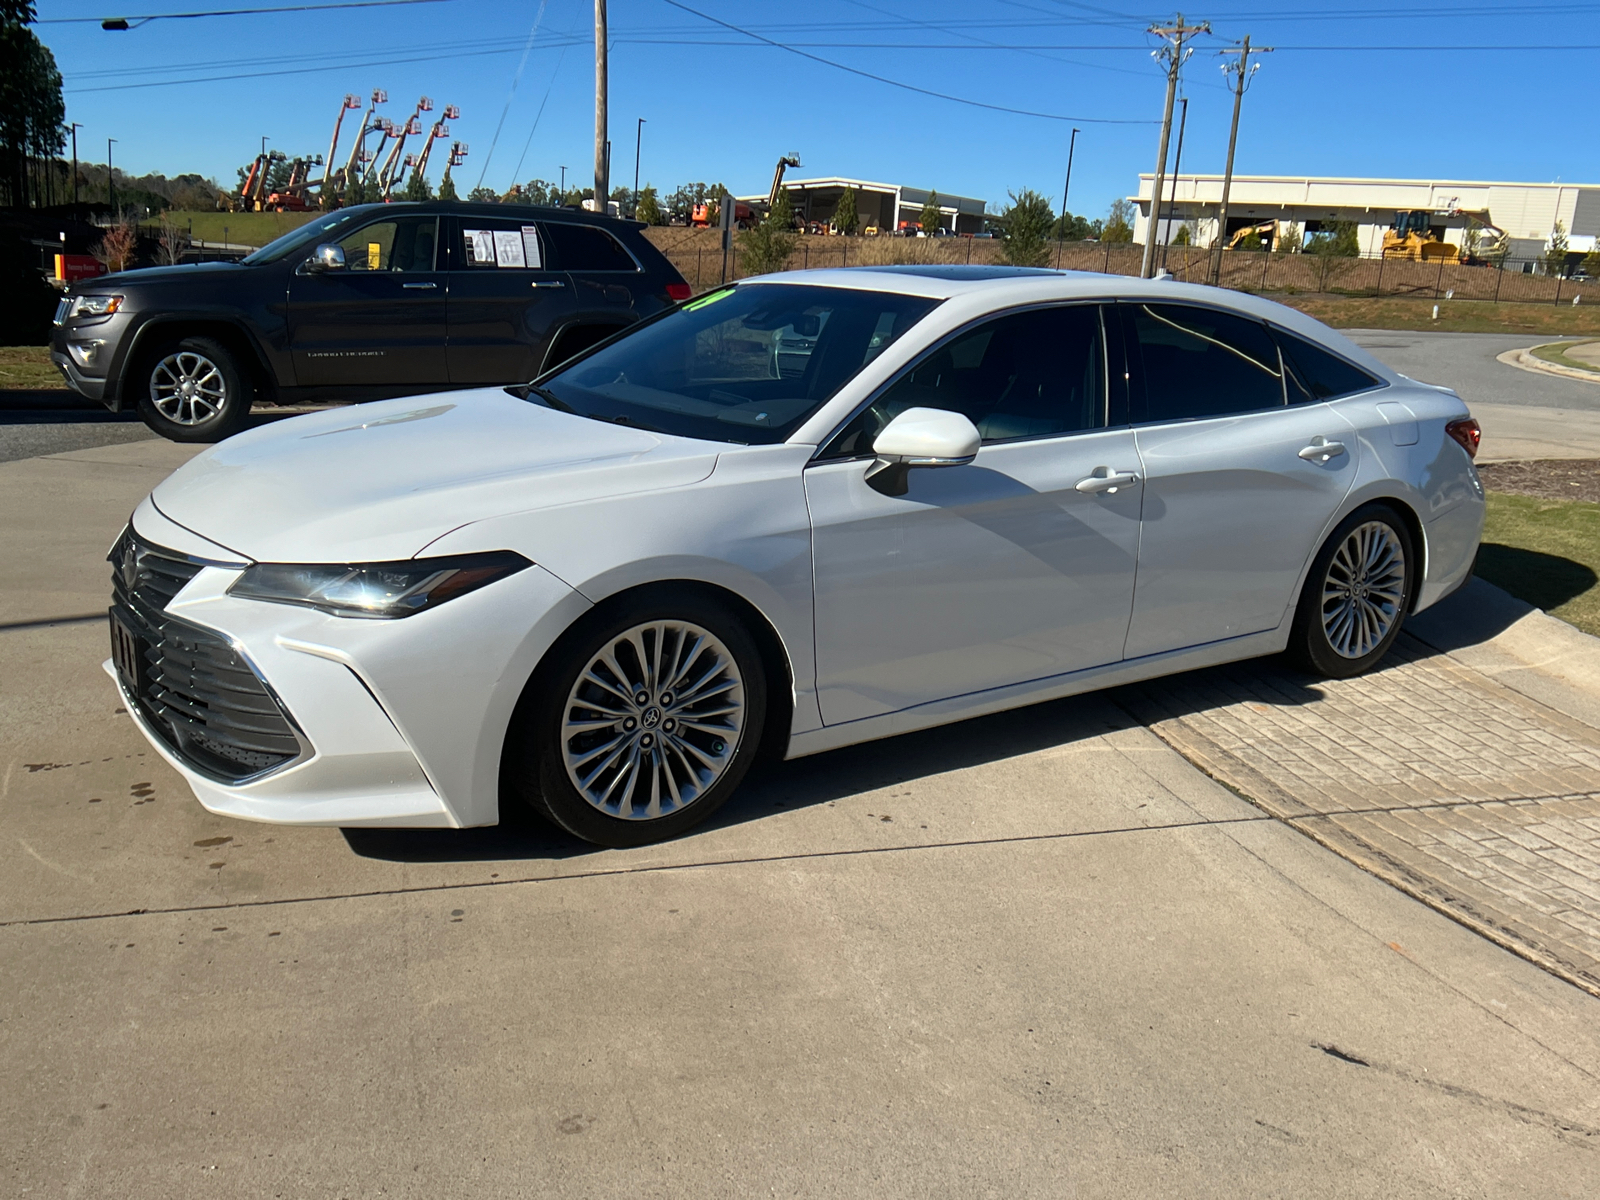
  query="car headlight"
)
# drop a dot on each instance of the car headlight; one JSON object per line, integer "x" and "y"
{"x": 380, "y": 590}
{"x": 95, "y": 306}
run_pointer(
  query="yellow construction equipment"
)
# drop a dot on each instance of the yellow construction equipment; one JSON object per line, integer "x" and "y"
{"x": 1411, "y": 239}
{"x": 1266, "y": 230}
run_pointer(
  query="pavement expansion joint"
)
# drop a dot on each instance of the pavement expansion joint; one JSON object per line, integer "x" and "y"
{"x": 639, "y": 869}
{"x": 1470, "y": 797}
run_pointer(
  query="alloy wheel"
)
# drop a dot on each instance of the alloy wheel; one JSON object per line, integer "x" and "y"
{"x": 187, "y": 388}
{"x": 653, "y": 721}
{"x": 1364, "y": 591}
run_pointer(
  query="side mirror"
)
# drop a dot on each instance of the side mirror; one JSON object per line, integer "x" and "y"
{"x": 326, "y": 257}
{"x": 921, "y": 437}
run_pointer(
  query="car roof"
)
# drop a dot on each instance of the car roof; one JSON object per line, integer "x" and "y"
{"x": 543, "y": 212}
{"x": 995, "y": 287}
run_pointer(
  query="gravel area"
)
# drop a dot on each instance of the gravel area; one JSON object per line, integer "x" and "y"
{"x": 1545, "y": 479}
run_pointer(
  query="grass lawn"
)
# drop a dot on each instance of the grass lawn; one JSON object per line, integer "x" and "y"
{"x": 28, "y": 368}
{"x": 1455, "y": 316}
{"x": 1553, "y": 353}
{"x": 241, "y": 229}
{"x": 1546, "y": 552}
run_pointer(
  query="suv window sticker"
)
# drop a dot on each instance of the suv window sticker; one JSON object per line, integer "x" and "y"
{"x": 508, "y": 248}
{"x": 480, "y": 245}
{"x": 530, "y": 246}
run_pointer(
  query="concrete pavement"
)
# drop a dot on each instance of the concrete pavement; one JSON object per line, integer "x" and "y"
{"x": 1036, "y": 954}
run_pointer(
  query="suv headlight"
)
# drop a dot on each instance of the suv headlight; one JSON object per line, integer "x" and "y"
{"x": 95, "y": 306}
{"x": 380, "y": 590}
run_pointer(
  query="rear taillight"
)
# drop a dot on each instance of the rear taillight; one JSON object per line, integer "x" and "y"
{"x": 1467, "y": 434}
{"x": 679, "y": 292}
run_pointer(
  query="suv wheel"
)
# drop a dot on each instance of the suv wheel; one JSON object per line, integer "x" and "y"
{"x": 193, "y": 390}
{"x": 643, "y": 722}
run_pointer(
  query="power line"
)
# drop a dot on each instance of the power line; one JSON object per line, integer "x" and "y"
{"x": 1021, "y": 112}
{"x": 134, "y": 22}
{"x": 512, "y": 95}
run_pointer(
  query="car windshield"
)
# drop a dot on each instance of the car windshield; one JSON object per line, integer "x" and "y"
{"x": 743, "y": 364}
{"x": 323, "y": 229}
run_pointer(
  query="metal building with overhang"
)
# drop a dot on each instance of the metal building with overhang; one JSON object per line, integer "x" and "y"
{"x": 885, "y": 207}
{"x": 1526, "y": 212}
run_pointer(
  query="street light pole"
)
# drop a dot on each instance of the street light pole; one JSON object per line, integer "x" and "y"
{"x": 638, "y": 141}
{"x": 75, "y": 127}
{"x": 1067, "y": 189}
{"x": 1177, "y": 167}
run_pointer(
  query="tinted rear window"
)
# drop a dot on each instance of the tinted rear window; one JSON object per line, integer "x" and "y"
{"x": 1314, "y": 374}
{"x": 585, "y": 248}
{"x": 1197, "y": 362}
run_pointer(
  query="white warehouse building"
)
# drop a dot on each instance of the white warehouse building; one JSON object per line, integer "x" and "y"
{"x": 1526, "y": 212}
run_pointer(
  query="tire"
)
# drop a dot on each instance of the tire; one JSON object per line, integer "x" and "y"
{"x": 626, "y": 770}
{"x": 1356, "y": 595}
{"x": 192, "y": 390}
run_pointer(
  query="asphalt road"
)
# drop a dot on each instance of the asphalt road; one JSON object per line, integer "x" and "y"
{"x": 1037, "y": 954}
{"x": 55, "y": 421}
{"x": 1465, "y": 362}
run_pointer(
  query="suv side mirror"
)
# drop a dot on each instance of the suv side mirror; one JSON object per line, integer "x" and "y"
{"x": 921, "y": 437}
{"x": 326, "y": 257}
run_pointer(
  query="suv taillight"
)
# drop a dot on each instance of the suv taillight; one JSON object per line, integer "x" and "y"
{"x": 1467, "y": 433}
{"x": 679, "y": 292}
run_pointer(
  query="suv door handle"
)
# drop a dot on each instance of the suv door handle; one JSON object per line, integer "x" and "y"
{"x": 548, "y": 283}
{"x": 1321, "y": 450}
{"x": 419, "y": 285}
{"x": 1105, "y": 479}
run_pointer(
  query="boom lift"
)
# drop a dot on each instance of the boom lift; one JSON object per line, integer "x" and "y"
{"x": 329, "y": 175}
{"x": 379, "y": 96}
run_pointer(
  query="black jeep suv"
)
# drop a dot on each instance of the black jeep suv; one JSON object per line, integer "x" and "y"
{"x": 364, "y": 303}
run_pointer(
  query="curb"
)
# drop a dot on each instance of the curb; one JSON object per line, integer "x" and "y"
{"x": 1525, "y": 360}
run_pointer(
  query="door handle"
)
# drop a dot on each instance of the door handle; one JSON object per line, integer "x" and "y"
{"x": 548, "y": 283}
{"x": 1321, "y": 450}
{"x": 419, "y": 285}
{"x": 1105, "y": 479}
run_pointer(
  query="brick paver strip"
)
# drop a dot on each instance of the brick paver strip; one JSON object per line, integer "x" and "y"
{"x": 1469, "y": 796}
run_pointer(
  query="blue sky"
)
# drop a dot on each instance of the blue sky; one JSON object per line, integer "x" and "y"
{"x": 723, "y": 106}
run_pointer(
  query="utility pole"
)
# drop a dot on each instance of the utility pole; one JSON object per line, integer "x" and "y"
{"x": 111, "y": 185}
{"x": 638, "y": 141}
{"x": 602, "y": 173}
{"x": 563, "y": 187}
{"x": 1067, "y": 189}
{"x": 1177, "y": 168}
{"x": 1239, "y": 75}
{"x": 1175, "y": 54}
{"x": 75, "y": 126}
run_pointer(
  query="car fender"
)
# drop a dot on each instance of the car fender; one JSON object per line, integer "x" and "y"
{"x": 162, "y": 321}
{"x": 744, "y": 529}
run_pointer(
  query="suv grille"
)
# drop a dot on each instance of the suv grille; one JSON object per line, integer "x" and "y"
{"x": 193, "y": 689}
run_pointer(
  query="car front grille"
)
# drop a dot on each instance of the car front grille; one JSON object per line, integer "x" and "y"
{"x": 193, "y": 688}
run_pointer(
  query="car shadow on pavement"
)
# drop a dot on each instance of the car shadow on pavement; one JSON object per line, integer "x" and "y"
{"x": 1473, "y": 614}
{"x": 784, "y": 786}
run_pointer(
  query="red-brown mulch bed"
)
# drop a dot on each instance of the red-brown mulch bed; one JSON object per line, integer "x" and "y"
{"x": 1545, "y": 479}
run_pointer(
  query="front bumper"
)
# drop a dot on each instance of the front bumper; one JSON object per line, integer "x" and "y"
{"x": 85, "y": 385}
{"x": 402, "y": 721}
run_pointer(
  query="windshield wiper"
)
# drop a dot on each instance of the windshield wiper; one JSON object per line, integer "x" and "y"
{"x": 523, "y": 390}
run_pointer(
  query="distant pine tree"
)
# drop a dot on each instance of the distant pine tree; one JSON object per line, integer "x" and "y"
{"x": 931, "y": 218}
{"x": 845, "y": 217}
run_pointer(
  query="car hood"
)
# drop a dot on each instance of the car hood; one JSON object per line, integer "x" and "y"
{"x": 174, "y": 274}
{"x": 380, "y": 481}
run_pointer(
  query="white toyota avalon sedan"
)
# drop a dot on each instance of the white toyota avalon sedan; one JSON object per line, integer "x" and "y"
{"x": 796, "y": 513}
